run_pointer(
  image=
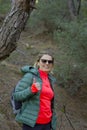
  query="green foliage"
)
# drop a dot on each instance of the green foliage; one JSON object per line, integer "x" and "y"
{"x": 49, "y": 12}
{"x": 72, "y": 41}
{"x": 73, "y": 36}
{"x": 84, "y": 8}
{"x": 4, "y": 6}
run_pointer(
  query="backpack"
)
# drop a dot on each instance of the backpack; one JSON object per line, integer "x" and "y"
{"x": 16, "y": 105}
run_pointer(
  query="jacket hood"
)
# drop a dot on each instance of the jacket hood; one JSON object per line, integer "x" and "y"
{"x": 29, "y": 69}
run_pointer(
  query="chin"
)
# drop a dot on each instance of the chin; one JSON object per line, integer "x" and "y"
{"x": 46, "y": 71}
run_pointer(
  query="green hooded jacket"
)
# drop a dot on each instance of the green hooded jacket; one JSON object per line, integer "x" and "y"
{"x": 31, "y": 101}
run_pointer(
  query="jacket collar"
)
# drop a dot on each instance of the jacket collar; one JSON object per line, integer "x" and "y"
{"x": 30, "y": 69}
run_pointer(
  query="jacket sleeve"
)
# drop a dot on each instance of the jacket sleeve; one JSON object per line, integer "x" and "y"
{"x": 23, "y": 88}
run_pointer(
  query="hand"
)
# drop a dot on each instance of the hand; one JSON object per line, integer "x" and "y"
{"x": 37, "y": 84}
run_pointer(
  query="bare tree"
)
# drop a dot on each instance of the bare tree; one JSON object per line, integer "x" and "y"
{"x": 78, "y": 6}
{"x": 13, "y": 25}
{"x": 74, "y": 8}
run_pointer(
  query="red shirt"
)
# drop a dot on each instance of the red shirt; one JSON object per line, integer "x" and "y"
{"x": 45, "y": 112}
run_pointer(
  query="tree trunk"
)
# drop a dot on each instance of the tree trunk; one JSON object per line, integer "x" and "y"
{"x": 13, "y": 25}
{"x": 78, "y": 6}
{"x": 74, "y": 8}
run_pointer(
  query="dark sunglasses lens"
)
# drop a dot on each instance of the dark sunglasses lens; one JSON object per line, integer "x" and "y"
{"x": 49, "y": 61}
{"x": 44, "y": 61}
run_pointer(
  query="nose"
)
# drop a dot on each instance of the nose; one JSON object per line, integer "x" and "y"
{"x": 47, "y": 62}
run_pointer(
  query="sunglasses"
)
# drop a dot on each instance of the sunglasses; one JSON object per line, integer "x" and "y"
{"x": 45, "y": 61}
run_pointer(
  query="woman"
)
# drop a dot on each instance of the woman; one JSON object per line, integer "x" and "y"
{"x": 36, "y": 90}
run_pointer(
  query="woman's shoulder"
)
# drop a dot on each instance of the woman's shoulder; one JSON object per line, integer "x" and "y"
{"x": 29, "y": 70}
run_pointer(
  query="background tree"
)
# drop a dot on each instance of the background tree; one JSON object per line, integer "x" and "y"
{"x": 74, "y": 8}
{"x": 13, "y": 25}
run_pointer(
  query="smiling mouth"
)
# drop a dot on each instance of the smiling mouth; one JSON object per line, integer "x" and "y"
{"x": 46, "y": 67}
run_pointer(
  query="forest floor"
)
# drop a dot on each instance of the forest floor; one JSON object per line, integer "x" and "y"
{"x": 30, "y": 43}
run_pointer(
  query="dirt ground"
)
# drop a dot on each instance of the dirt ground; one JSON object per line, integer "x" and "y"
{"x": 71, "y": 110}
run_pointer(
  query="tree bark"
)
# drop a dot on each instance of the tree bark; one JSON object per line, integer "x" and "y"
{"x": 78, "y": 6}
{"x": 13, "y": 25}
{"x": 74, "y": 8}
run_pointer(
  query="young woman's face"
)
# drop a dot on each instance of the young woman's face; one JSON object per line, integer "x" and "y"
{"x": 46, "y": 63}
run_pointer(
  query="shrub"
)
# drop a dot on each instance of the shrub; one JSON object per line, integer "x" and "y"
{"x": 4, "y": 6}
{"x": 73, "y": 45}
